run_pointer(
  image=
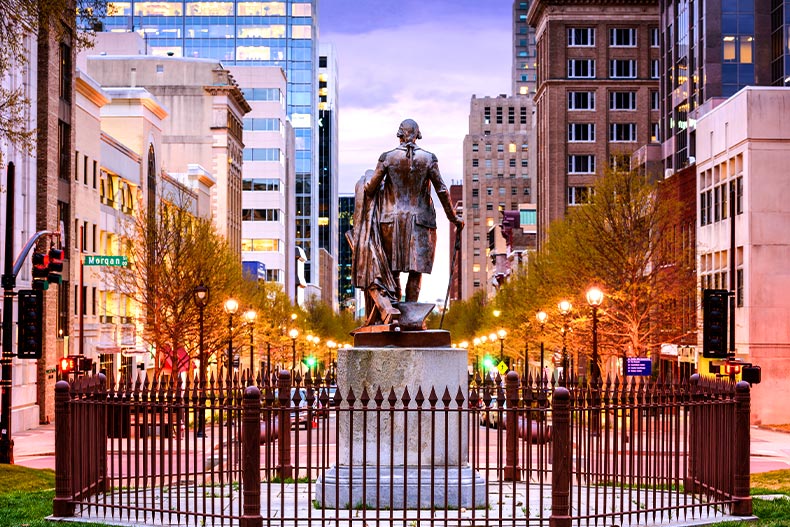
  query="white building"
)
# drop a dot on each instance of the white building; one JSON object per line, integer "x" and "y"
{"x": 742, "y": 150}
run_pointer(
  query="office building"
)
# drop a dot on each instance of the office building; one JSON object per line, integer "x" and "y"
{"x": 597, "y": 98}
{"x": 345, "y": 224}
{"x": 282, "y": 33}
{"x": 328, "y": 178}
{"x": 742, "y": 160}
{"x": 711, "y": 50}
{"x": 496, "y": 179}
{"x": 524, "y": 73}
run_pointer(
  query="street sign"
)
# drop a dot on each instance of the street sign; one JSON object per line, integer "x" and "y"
{"x": 502, "y": 367}
{"x": 639, "y": 367}
{"x": 106, "y": 261}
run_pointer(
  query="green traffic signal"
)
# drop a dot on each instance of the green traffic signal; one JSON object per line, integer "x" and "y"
{"x": 310, "y": 362}
{"x": 488, "y": 363}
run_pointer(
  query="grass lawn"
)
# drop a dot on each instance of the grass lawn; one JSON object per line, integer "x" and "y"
{"x": 26, "y": 498}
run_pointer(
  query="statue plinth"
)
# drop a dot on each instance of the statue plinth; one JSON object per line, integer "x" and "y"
{"x": 431, "y": 338}
{"x": 402, "y": 459}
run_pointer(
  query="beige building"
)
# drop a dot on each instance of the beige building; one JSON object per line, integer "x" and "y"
{"x": 496, "y": 179}
{"x": 742, "y": 151}
{"x": 597, "y": 95}
{"x": 205, "y": 126}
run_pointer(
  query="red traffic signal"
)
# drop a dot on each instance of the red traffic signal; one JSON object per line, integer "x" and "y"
{"x": 55, "y": 266}
{"x": 40, "y": 266}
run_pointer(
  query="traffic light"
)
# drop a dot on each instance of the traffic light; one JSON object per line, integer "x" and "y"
{"x": 310, "y": 361}
{"x": 40, "y": 271}
{"x": 714, "y": 323}
{"x": 30, "y": 310}
{"x": 488, "y": 363}
{"x": 67, "y": 364}
{"x": 55, "y": 266}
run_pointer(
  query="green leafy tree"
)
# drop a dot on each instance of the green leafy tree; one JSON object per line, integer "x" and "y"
{"x": 623, "y": 241}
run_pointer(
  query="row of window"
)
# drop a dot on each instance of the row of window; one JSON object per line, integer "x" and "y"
{"x": 511, "y": 115}
{"x": 500, "y": 163}
{"x": 212, "y": 8}
{"x": 262, "y": 124}
{"x": 714, "y": 203}
{"x": 502, "y": 205}
{"x": 618, "y": 132}
{"x": 502, "y": 191}
{"x": 618, "y": 100}
{"x": 261, "y": 184}
{"x": 619, "y": 37}
{"x": 488, "y": 175}
{"x": 511, "y": 147}
{"x": 720, "y": 280}
{"x": 264, "y": 154}
{"x": 262, "y": 215}
{"x": 585, "y": 163}
{"x": 263, "y": 94}
{"x": 262, "y": 244}
{"x": 618, "y": 69}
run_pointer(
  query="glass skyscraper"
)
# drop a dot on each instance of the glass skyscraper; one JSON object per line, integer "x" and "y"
{"x": 277, "y": 33}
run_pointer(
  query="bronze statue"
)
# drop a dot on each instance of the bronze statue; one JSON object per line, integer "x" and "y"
{"x": 395, "y": 225}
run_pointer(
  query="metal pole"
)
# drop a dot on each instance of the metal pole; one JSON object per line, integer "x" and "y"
{"x": 268, "y": 358}
{"x": 541, "y": 359}
{"x": 594, "y": 369}
{"x": 252, "y": 353}
{"x": 293, "y": 356}
{"x": 203, "y": 377}
{"x": 732, "y": 268}
{"x": 9, "y": 282}
{"x": 82, "y": 293}
{"x": 501, "y": 349}
{"x": 230, "y": 344}
{"x": 203, "y": 365}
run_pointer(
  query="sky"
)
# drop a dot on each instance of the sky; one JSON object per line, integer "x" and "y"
{"x": 418, "y": 59}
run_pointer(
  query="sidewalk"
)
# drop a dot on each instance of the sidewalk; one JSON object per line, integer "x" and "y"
{"x": 35, "y": 448}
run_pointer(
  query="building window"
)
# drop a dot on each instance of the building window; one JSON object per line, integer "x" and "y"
{"x": 622, "y": 132}
{"x": 475, "y": 147}
{"x": 621, "y": 162}
{"x": 475, "y": 162}
{"x": 622, "y": 100}
{"x": 487, "y": 115}
{"x": 655, "y": 136}
{"x": 579, "y": 195}
{"x": 581, "y": 132}
{"x": 581, "y": 36}
{"x": 488, "y": 147}
{"x": 262, "y": 245}
{"x": 263, "y": 154}
{"x": 581, "y": 69}
{"x": 622, "y": 37}
{"x": 261, "y": 184}
{"x": 622, "y": 69}
{"x": 739, "y": 287}
{"x": 261, "y": 214}
{"x": 654, "y": 69}
{"x": 523, "y": 115}
{"x": 655, "y": 100}
{"x": 498, "y": 115}
{"x": 581, "y": 164}
{"x": 581, "y": 100}
{"x": 475, "y": 192}
{"x": 512, "y": 163}
{"x": 654, "y": 37}
{"x": 500, "y": 147}
{"x": 511, "y": 115}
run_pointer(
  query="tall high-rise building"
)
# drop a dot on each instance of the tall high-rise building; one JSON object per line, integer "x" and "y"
{"x": 524, "y": 74}
{"x": 282, "y": 33}
{"x": 710, "y": 51}
{"x": 597, "y": 99}
{"x": 328, "y": 168}
{"x": 496, "y": 179}
{"x": 345, "y": 223}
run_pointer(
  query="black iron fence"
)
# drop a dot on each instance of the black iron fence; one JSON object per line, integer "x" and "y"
{"x": 506, "y": 452}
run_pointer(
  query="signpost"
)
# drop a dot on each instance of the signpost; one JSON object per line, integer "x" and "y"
{"x": 639, "y": 367}
{"x": 106, "y": 261}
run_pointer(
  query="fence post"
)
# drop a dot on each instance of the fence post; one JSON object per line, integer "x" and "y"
{"x": 742, "y": 501}
{"x": 692, "y": 471}
{"x": 561, "y": 459}
{"x": 62, "y": 505}
{"x": 512, "y": 423}
{"x": 251, "y": 458}
{"x": 284, "y": 466}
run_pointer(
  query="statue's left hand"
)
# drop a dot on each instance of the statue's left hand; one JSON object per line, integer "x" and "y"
{"x": 459, "y": 223}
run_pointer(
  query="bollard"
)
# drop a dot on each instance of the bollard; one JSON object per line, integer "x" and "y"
{"x": 62, "y": 506}
{"x": 512, "y": 418}
{"x": 251, "y": 458}
{"x": 742, "y": 501}
{"x": 561, "y": 459}
{"x": 284, "y": 467}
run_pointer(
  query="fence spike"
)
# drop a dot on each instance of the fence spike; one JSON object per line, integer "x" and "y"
{"x": 392, "y": 399}
{"x": 446, "y": 398}
{"x": 365, "y": 397}
{"x": 406, "y": 398}
{"x": 420, "y": 397}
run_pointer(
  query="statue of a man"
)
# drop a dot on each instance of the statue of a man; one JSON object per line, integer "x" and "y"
{"x": 403, "y": 218}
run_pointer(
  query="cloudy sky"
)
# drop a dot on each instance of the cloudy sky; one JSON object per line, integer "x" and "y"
{"x": 419, "y": 59}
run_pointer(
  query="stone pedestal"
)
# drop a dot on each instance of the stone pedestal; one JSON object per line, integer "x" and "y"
{"x": 403, "y": 459}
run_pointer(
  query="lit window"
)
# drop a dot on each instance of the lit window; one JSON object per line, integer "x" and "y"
{"x": 261, "y": 9}
{"x": 301, "y": 32}
{"x": 476, "y": 268}
{"x": 301, "y": 10}
{"x": 511, "y": 148}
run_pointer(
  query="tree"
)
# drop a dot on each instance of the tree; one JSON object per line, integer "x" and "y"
{"x": 170, "y": 253}
{"x": 19, "y": 21}
{"x": 623, "y": 242}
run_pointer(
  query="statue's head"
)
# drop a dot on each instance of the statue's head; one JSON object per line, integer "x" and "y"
{"x": 409, "y": 131}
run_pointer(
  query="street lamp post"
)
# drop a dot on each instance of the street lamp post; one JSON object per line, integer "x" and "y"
{"x": 594, "y": 298}
{"x": 476, "y": 344}
{"x": 231, "y": 306}
{"x": 201, "y": 299}
{"x": 501, "y": 334}
{"x": 542, "y": 317}
{"x": 565, "y": 308}
{"x": 293, "y": 334}
{"x": 249, "y": 316}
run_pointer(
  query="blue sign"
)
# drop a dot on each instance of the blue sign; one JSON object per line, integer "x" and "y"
{"x": 639, "y": 367}
{"x": 254, "y": 270}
